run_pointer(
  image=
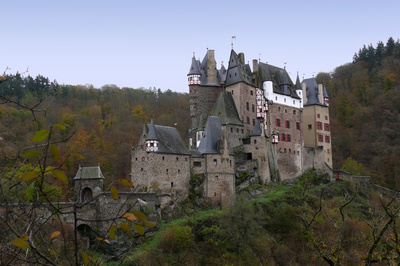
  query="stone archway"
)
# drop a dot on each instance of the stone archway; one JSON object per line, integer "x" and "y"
{"x": 86, "y": 233}
{"x": 86, "y": 195}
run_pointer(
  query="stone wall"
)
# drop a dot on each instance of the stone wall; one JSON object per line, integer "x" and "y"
{"x": 287, "y": 120}
{"x": 202, "y": 100}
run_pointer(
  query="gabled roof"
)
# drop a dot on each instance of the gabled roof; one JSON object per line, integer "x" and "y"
{"x": 238, "y": 71}
{"x": 210, "y": 143}
{"x": 169, "y": 140}
{"x": 225, "y": 109}
{"x": 93, "y": 172}
{"x": 282, "y": 83}
{"x": 311, "y": 91}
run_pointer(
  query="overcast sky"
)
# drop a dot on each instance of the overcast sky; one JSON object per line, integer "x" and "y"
{"x": 151, "y": 43}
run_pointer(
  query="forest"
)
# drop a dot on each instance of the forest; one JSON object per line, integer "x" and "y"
{"x": 105, "y": 122}
{"x": 365, "y": 111}
{"x": 48, "y": 129}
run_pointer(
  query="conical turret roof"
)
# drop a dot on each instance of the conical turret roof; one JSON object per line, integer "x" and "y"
{"x": 194, "y": 68}
{"x": 152, "y": 131}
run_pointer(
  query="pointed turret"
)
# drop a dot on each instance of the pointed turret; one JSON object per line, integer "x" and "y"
{"x": 326, "y": 97}
{"x": 151, "y": 140}
{"x": 298, "y": 84}
{"x": 194, "y": 75}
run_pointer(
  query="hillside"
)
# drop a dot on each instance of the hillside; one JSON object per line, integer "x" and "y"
{"x": 365, "y": 111}
{"x": 105, "y": 123}
{"x": 301, "y": 222}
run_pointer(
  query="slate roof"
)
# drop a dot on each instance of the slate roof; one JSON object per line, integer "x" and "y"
{"x": 312, "y": 91}
{"x": 242, "y": 71}
{"x": 195, "y": 153}
{"x": 257, "y": 129}
{"x": 225, "y": 109}
{"x": 210, "y": 143}
{"x": 152, "y": 132}
{"x": 325, "y": 93}
{"x": 298, "y": 84}
{"x": 202, "y": 123}
{"x": 282, "y": 83}
{"x": 92, "y": 172}
{"x": 194, "y": 67}
{"x": 169, "y": 140}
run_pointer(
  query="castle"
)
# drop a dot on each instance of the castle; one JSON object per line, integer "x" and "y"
{"x": 257, "y": 118}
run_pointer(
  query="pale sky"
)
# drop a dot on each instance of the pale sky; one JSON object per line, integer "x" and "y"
{"x": 151, "y": 43}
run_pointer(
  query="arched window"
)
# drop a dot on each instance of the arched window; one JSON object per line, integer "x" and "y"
{"x": 87, "y": 194}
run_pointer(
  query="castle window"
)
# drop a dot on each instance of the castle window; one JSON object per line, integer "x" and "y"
{"x": 242, "y": 131}
{"x": 196, "y": 164}
{"x": 279, "y": 109}
{"x": 251, "y": 92}
{"x": 172, "y": 184}
{"x": 136, "y": 159}
{"x": 284, "y": 138}
{"x": 298, "y": 125}
{"x": 293, "y": 101}
{"x": 284, "y": 150}
{"x": 254, "y": 122}
{"x": 255, "y": 141}
{"x": 319, "y": 125}
{"x": 185, "y": 159}
{"x": 290, "y": 150}
{"x": 276, "y": 98}
{"x": 231, "y": 130}
{"x": 230, "y": 162}
{"x": 327, "y": 151}
{"x": 318, "y": 116}
{"x": 237, "y": 130}
{"x": 287, "y": 124}
{"x": 288, "y": 138}
{"x": 327, "y": 139}
{"x": 216, "y": 178}
{"x": 177, "y": 158}
{"x": 166, "y": 171}
{"x": 87, "y": 194}
{"x": 298, "y": 153}
{"x": 215, "y": 162}
{"x": 141, "y": 169}
{"x": 320, "y": 138}
{"x": 285, "y": 109}
{"x": 179, "y": 171}
{"x": 294, "y": 112}
{"x": 326, "y": 117}
{"x": 235, "y": 74}
{"x": 253, "y": 108}
{"x": 326, "y": 126}
{"x": 284, "y": 99}
{"x": 248, "y": 120}
{"x": 163, "y": 158}
{"x": 309, "y": 126}
{"x": 247, "y": 106}
{"x": 230, "y": 75}
{"x": 278, "y": 122}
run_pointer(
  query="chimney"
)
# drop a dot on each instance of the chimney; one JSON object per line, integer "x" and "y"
{"x": 255, "y": 65}
{"x": 211, "y": 71}
{"x": 321, "y": 93}
{"x": 241, "y": 56}
{"x": 304, "y": 87}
